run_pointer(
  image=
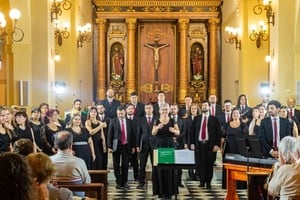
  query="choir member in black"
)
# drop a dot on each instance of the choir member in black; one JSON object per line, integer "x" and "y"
{"x": 178, "y": 139}
{"x": 82, "y": 142}
{"x": 36, "y": 125}
{"x": 22, "y": 129}
{"x": 139, "y": 108}
{"x": 5, "y": 137}
{"x": 43, "y": 108}
{"x": 133, "y": 158}
{"x": 145, "y": 142}
{"x": 95, "y": 128}
{"x": 8, "y": 118}
{"x": 215, "y": 109}
{"x": 103, "y": 118}
{"x": 194, "y": 111}
{"x": 184, "y": 111}
{"x": 49, "y": 130}
{"x": 121, "y": 143}
{"x": 284, "y": 113}
{"x": 161, "y": 100}
{"x": 243, "y": 107}
{"x": 164, "y": 181}
{"x": 235, "y": 128}
{"x": 206, "y": 139}
{"x": 110, "y": 104}
{"x": 76, "y": 109}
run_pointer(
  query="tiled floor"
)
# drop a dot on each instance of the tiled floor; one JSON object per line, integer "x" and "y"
{"x": 190, "y": 191}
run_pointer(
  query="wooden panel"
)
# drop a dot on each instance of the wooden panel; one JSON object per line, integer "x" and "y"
{"x": 165, "y": 36}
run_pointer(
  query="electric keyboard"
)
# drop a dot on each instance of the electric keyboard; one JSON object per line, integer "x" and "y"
{"x": 242, "y": 160}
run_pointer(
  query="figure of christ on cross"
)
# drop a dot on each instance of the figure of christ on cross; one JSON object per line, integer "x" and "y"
{"x": 156, "y": 47}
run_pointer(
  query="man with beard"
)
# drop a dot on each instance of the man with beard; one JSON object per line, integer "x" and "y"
{"x": 206, "y": 139}
{"x": 273, "y": 129}
{"x": 76, "y": 109}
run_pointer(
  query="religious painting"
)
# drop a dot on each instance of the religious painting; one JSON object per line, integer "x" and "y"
{"x": 197, "y": 62}
{"x": 157, "y": 64}
{"x": 117, "y": 62}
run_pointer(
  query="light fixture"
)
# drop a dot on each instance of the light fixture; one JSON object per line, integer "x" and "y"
{"x": 259, "y": 34}
{"x": 57, "y": 57}
{"x": 17, "y": 33}
{"x": 59, "y": 87}
{"x": 61, "y": 33}
{"x": 270, "y": 57}
{"x": 56, "y": 8}
{"x": 232, "y": 37}
{"x": 84, "y": 34}
{"x": 267, "y": 6}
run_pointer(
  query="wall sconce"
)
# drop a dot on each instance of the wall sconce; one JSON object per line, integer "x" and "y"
{"x": 84, "y": 34}
{"x": 17, "y": 33}
{"x": 232, "y": 36}
{"x": 267, "y": 6}
{"x": 56, "y": 6}
{"x": 61, "y": 33}
{"x": 260, "y": 34}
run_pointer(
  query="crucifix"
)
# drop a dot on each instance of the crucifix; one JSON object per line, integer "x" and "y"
{"x": 156, "y": 47}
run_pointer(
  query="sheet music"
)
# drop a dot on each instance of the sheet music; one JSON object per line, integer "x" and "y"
{"x": 184, "y": 156}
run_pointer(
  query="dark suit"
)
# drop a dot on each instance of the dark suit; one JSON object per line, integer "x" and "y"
{"x": 218, "y": 109}
{"x": 297, "y": 114}
{"x": 223, "y": 122}
{"x": 124, "y": 151}
{"x": 183, "y": 111}
{"x": 146, "y": 143}
{"x": 265, "y": 133}
{"x": 156, "y": 109}
{"x": 104, "y": 160}
{"x": 139, "y": 109}
{"x": 247, "y": 112}
{"x": 204, "y": 156}
{"x": 134, "y": 157}
{"x": 111, "y": 109}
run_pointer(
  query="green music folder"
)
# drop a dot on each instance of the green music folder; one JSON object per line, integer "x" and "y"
{"x": 166, "y": 156}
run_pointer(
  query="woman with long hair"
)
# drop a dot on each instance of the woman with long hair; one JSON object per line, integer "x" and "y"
{"x": 5, "y": 136}
{"x": 82, "y": 142}
{"x": 95, "y": 128}
{"x": 49, "y": 130}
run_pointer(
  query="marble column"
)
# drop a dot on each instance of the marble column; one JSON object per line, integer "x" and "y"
{"x": 131, "y": 58}
{"x": 213, "y": 56}
{"x": 183, "y": 64}
{"x": 101, "y": 69}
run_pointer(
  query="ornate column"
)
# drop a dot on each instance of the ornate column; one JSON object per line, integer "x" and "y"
{"x": 101, "y": 69}
{"x": 213, "y": 56}
{"x": 131, "y": 65}
{"x": 183, "y": 68}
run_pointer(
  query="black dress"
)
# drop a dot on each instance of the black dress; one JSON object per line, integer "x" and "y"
{"x": 4, "y": 142}
{"x": 48, "y": 136}
{"x": 231, "y": 135}
{"x": 81, "y": 146}
{"x": 22, "y": 133}
{"x": 99, "y": 162}
{"x": 36, "y": 128}
{"x": 164, "y": 181}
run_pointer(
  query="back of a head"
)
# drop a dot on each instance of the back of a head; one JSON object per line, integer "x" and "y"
{"x": 15, "y": 180}
{"x": 287, "y": 145}
{"x": 23, "y": 147}
{"x": 41, "y": 166}
{"x": 63, "y": 140}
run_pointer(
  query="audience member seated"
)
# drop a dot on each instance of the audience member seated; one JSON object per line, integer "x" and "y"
{"x": 70, "y": 169}
{"x": 285, "y": 182}
{"x": 23, "y": 147}
{"x": 42, "y": 170}
{"x": 15, "y": 180}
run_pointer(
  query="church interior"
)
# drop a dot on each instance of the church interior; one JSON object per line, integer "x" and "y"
{"x": 56, "y": 51}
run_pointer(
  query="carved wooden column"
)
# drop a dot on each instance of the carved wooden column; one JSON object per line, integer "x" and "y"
{"x": 130, "y": 74}
{"x": 101, "y": 70}
{"x": 213, "y": 56}
{"x": 183, "y": 69}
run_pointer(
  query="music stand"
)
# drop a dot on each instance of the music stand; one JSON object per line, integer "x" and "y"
{"x": 249, "y": 146}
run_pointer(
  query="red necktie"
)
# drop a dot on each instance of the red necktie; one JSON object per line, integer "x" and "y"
{"x": 291, "y": 113}
{"x": 123, "y": 136}
{"x": 213, "y": 110}
{"x": 275, "y": 134}
{"x": 149, "y": 121}
{"x": 203, "y": 128}
{"x": 228, "y": 117}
